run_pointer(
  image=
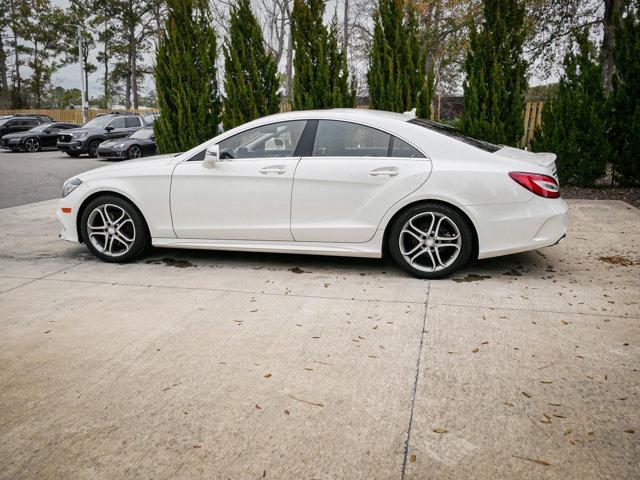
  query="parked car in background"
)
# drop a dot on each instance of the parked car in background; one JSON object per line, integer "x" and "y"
{"x": 39, "y": 116}
{"x": 15, "y": 124}
{"x": 150, "y": 118}
{"x": 140, "y": 143}
{"x": 42, "y": 136}
{"x": 328, "y": 182}
{"x": 87, "y": 138}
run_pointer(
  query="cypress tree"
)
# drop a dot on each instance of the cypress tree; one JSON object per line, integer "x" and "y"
{"x": 397, "y": 78}
{"x": 251, "y": 74}
{"x": 573, "y": 122}
{"x": 321, "y": 76}
{"x": 186, "y": 78}
{"x": 495, "y": 83}
{"x": 624, "y": 115}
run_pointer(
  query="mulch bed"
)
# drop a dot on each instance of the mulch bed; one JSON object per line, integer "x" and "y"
{"x": 629, "y": 195}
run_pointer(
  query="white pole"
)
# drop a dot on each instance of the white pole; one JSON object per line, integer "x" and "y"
{"x": 85, "y": 107}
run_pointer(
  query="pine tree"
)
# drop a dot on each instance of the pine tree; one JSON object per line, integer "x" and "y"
{"x": 320, "y": 67}
{"x": 186, "y": 78}
{"x": 624, "y": 114}
{"x": 251, "y": 74}
{"x": 397, "y": 78}
{"x": 496, "y": 82}
{"x": 573, "y": 123}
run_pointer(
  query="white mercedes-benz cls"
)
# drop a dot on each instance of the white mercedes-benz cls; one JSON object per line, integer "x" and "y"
{"x": 332, "y": 182}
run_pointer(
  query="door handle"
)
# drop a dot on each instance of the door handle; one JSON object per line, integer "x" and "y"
{"x": 388, "y": 171}
{"x": 279, "y": 169}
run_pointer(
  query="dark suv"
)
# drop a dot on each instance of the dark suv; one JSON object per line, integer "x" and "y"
{"x": 17, "y": 124}
{"x": 103, "y": 127}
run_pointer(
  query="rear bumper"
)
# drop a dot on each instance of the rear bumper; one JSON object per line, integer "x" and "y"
{"x": 512, "y": 228}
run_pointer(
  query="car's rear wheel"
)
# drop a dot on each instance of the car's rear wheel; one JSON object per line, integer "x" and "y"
{"x": 430, "y": 240}
{"x": 73, "y": 154}
{"x": 32, "y": 145}
{"x": 93, "y": 148}
{"x": 134, "y": 152}
{"x": 113, "y": 229}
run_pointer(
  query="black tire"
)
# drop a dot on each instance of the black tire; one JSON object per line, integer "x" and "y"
{"x": 93, "y": 148}
{"x": 427, "y": 211}
{"x": 73, "y": 154}
{"x": 134, "y": 151}
{"x": 140, "y": 237}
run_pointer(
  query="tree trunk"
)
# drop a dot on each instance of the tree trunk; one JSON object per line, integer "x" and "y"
{"x": 4, "y": 94}
{"x": 17, "y": 80}
{"x": 345, "y": 42}
{"x": 612, "y": 12}
{"x": 127, "y": 79}
{"x": 134, "y": 77}
{"x": 106, "y": 69}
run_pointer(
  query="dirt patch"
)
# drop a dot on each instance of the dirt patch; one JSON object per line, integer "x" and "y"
{"x": 617, "y": 260}
{"x": 297, "y": 270}
{"x": 472, "y": 277}
{"x": 629, "y": 195}
{"x": 172, "y": 262}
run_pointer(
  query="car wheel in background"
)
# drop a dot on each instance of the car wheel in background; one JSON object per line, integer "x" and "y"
{"x": 113, "y": 230}
{"x": 93, "y": 148}
{"x": 430, "y": 240}
{"x": 73, "y": 154}
{"x": 32, "y": 145}
{"x": 134, "y": 152}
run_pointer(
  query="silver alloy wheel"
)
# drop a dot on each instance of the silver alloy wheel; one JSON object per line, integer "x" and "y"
{"x": 430, "y": 241}
{"x": 32, "y": 145}
{"x": 134, "y": 151}
{"x": 111, "y": 230}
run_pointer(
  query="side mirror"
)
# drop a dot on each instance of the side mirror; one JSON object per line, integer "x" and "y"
{"x": 211, "y": 156}
{"x": 108, "y": 128}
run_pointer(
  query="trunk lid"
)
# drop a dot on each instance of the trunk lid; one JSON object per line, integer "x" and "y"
{"x": 542, "y": 159}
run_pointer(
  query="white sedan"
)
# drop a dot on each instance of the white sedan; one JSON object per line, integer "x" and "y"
{"x": 332, "y": 182}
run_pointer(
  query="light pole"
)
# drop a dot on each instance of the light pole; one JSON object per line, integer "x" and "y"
{"x": 85, "y": 107}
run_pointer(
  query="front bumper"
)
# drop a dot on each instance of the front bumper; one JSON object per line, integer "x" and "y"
{"x": 112, "y": 153}
{"x": 68, "y": 219}
{"x": 511, "y": 228}
{"x": 11, "y": 144}
{"x": 72, "y": 146}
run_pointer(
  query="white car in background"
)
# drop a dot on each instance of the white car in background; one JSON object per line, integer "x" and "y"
{"x": 333, "y": 182}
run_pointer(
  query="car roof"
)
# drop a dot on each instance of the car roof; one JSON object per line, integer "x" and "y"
{"x": 353, "y": 114}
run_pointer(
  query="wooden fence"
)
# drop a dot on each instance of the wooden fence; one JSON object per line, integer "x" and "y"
{"x": 74, "y": 115}
{"x": 532, "y": 118}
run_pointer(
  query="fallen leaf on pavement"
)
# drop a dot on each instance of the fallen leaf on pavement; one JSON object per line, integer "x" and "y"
{"x": 268, "y": 375}
{"x": 440, "y": 430}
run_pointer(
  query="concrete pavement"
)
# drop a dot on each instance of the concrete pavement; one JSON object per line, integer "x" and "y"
{"x": 191, "y": 364}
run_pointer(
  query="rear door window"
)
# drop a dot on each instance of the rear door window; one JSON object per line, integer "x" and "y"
{"x": 343, "y": 139}
{"x": 131, "y": 122}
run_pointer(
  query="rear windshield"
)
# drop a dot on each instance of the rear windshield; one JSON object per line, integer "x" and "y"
{"x": 457, "y": 134}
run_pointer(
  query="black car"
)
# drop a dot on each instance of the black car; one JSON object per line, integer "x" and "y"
{"x": 15, "y": 124}
{"x": 138, "y": 144}
{"x": 39, "y": 116}
{"x": 103, "y": 127}
{"x": 42, "y": 136}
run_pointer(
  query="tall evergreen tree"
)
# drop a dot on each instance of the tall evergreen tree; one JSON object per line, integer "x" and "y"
{"x": 397, "y": 76}
{"x": 320, "y": 67}
{"x": 186, "y": 78}
{"x": 496, "y": 75}
{"x": 573, "y": 123}
{"x": 251, "y": 74}
{"x": 624, "y": 116}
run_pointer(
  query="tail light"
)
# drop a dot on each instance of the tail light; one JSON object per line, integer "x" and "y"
{"x": 542, "y": 185}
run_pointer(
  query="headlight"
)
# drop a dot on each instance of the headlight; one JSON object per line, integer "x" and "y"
{"x": 79, "y": 135}
{"x": 120, "y": 145}
{"x": 70, "y": 185}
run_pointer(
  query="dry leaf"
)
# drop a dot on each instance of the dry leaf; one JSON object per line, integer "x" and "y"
{"x": 475, "y": 350}
{"x": 412, "y": 457}
{"x": 508, "y": 404}
{"x": 568, "y": 431}
{"x": 258, "y": 407}
{"x": 546, "y": 416}
{"x": 286, "y": 412}
{"x": 558, "y": 415}
{"x": 440, "y": 430}
{"x": 629, "y": 430}
{"x": 546, "y": 381}
{"x": 268, "y": 375}
{"x": 526, "y": 394}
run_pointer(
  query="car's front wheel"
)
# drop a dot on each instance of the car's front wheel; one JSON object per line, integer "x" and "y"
{"x": 430, "y": 240}
{"x": 93, "y": 148}
{"x": 113, "y": 229}
{"x": 134, "y": 152}
{"x": 32, "y": 145}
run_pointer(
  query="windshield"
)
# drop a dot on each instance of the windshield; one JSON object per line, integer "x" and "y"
{"x": 143, "y": 134}
{"x": 41, "y": 128}
{"x": 98, "y": 122}
{"x": 4, "y": 120}
{"x": 457, "y": 134}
